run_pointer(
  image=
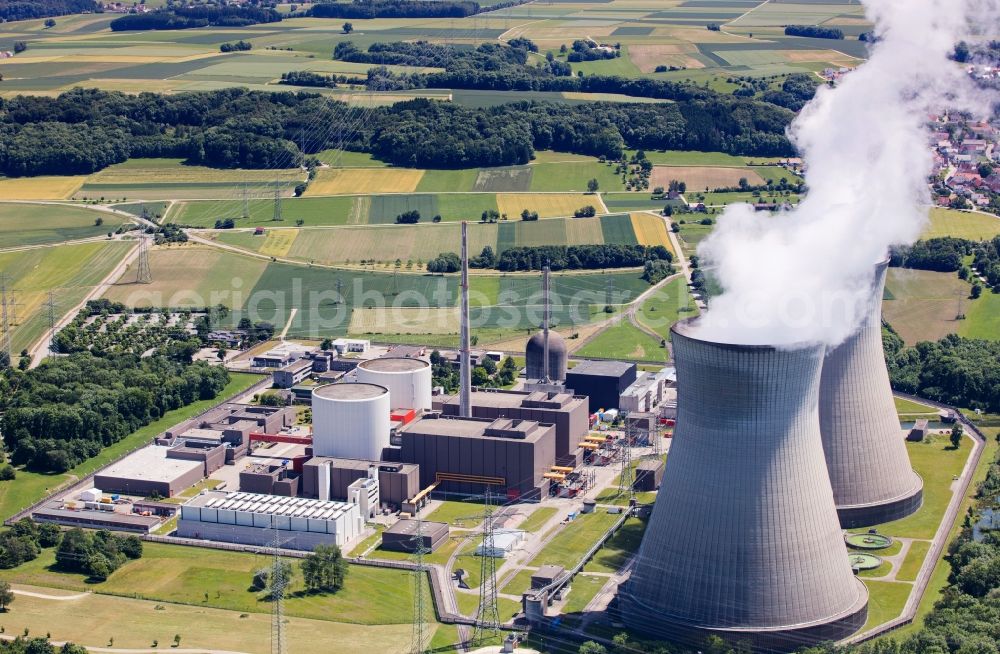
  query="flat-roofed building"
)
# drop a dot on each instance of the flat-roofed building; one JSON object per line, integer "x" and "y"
{"x": 150, "y": 470}
{"x": 568, "y": 412}
{"x": 330, "y": 478}
{"x": 601, "y": 381}
{"x": 293, "y": 373}
{"x": 402, "y": 536}
{"x": 253, "y": 519}
{"x": 463, "y": 455}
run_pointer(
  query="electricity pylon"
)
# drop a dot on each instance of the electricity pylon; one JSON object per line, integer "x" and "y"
{"x": 488, "y": 616}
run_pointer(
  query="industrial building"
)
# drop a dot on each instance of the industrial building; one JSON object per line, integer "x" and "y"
{"x": 253, "y": 519}
{"x": 151, "y": 470}
{"x": 331, "y": 478}
{"x": 269, "y": 479}
{"x": 293, "y": 373}
{"x": 649, "y": 391}
{"x": 230, "y": 425}
{"x": 601, "y": 381}
{"x": 351, "y": 420}
{"x": 463, "y": 455}
{"x": 744, "y": 540}
{"x": 864, "y": 444}
{"x": 568, "y": 412}
{"x": 402, "y": 536}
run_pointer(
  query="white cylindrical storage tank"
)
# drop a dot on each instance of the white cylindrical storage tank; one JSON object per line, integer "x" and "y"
{"x": 408, "y": 380}
{"x": 351, "y": 421}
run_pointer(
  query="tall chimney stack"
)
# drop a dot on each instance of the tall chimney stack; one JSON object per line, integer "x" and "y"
{"x": 545, "y": 323}
{"x": 465, "y": 367}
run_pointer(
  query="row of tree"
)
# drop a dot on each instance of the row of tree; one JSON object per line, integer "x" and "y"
{"x": 580, "y": 257}
{"x": 814, "y": 31}
{"x": 69, "y": 408}
{"x": 96, "y": 554}
{"x": 25, "y": 645}
{"x": 404, "y": 8}
{"x": 192, "y": 16}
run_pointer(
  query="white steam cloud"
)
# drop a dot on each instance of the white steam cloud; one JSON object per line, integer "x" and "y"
{"x": 805, "y": 275}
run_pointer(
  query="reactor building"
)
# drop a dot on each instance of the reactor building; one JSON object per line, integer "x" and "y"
{"x": 744, "y": 540}
{"x": 864, "y": 445}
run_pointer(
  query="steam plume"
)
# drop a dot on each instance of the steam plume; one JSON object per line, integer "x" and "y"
{"x": 804, "y": 275}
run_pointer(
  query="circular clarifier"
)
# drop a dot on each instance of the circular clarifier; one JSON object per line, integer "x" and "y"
{"x": 864, "y": 561}
{"x": 868, "y": 541}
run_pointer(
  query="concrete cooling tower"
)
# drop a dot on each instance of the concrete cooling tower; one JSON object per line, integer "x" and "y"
{"x": 864, "y": 445}
{"x": 744, "y": 540}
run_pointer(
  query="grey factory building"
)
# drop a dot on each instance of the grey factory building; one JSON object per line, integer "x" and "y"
{"x": 864, "y": 444}
{"x": 231, "y": 424}
{"x": 568, "y": 412}
{"x": 150, "y": 470}
{"x": 601, "y": 381}
{"x": 398, "y": 482}
{"x": 402, "y": 536}
{"x": 464, "y": 454}
{"x": 744, "y": 540}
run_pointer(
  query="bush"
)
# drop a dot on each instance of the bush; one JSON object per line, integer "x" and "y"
{"x": 7, "y": 473}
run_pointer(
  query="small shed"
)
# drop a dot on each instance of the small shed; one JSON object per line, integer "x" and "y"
{"x": 919, "y": 431}
{"x": 402, "y": 536}
{"x": 648, "y": 475}
{"x": 545, "y": 575}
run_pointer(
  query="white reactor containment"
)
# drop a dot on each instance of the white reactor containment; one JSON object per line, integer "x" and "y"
{"x": 351, "y": 421}
{"x": 408, "y": 380}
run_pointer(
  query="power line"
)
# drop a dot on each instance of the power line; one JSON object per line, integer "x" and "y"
{"x": 279, "y": 583}
{"x": 50, "y": 304}
{"x": 3, "y": 315}
{"x": 626, "y": 481}
{"x": 277, "y": 205}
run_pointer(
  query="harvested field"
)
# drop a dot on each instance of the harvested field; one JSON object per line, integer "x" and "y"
{"x": 277, "y": 242}
{"x": 648, "y": 57}
{"x": 351, "y": 181}
{"x": 584, "y": 231}
{"x": 404, "y": 320}
{"x": 922, "y": 305}
{"x": 40, "y": 188}
{"x": 416, "y": 243}
{"x": 548, "y": 205}
{"x": 509, "y": 179}
{"x": 650, "y": 230}
{"x": 700, "y": 177}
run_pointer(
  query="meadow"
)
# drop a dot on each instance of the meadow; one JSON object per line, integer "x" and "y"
{"x": 922, "y": 305}
{"x": 42, "y": 224}
{"x": 969, "y": 225}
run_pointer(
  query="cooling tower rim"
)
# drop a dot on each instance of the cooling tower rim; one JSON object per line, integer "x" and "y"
{"x": 393, "y": 365}
{"x": 859, "y": 604}
{"x": 686, "y": 329}
{"x": 916, "y": 487}
{"x": 350, "y": 391}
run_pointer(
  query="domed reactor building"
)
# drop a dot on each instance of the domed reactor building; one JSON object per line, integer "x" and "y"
{"x": 864, "y": 445}
{"x": 534, "y": 356}
{"x": 744, "y": 540}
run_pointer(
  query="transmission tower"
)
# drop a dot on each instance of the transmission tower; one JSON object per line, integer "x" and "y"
{"x": 488, "y": 617}
{"x": 340, "y": 293}
{"x": 609, "y": 291}
{"x": 3, "y": 315}
{"x": 626, "y": 481}
{"x": 277, "y": 205}
{"x": 279, "y": 582}
{"x": 143, "y": 274}
{"x": 654, "y": 437}
{"x": 418, "y": 641}
{"x": 246, "y": 201}
{"x": 145, "y": 213}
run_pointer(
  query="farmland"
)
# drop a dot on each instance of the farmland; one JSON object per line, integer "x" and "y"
{"x": 70, "y": 272}
{"x": 40, "y": 224}
{"x": 922, "y": 305}
{"x": 962, "y": 224}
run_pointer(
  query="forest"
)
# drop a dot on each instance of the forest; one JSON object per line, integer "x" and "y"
{"x": 404, "y": 8}
{"x": 179, "y": 18}
{"x": 580, "y": 257}
{"x": 814, "y": 31}
{"x": 69, "y": 408}
{"x": 25, "y": 10}
{"x": 938, "y": 254}
{"x": 959, "y": 371}
{"x": 85, "y": 130}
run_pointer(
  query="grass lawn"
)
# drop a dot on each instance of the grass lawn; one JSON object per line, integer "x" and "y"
{"x": 937, "y": 464}
{"x": 885, "y": 601}
{"x": 574, "y": 539}
{"x": 617, "y": 551}
{"x": 36, "y": 224}
{"x": 573, "y": 176}
{"x": 922, "y": 305}
{"x": 690, "y": 158}
{"x": 904, "y": 406}
{"x": 94, "y": 620}
{"x": 439, "y": 556}
{"x": 982, "y": 317}
{"x": 538, "y": 518}
{"x": 315, "y": 212}
{"x": 29, "y": 487}
{"x": 962, "y": 224}
{"x": 519, "y": 583}
{"x": 914, "y": 559}
{"x": 458, "y": 514}
{"x": 348, "y": 159}
{"x": 219, "y": 579}
{"x": 624, "y": 341}
{"x": 468, "y": 604}
{"x": 583, "y": 588}
{"x": 670, "y": 303}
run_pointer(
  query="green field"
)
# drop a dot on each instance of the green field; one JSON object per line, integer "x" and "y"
{"x": 69, "y": 271}
{"x": 575, "y": 539}
{"x": 885, "y": 601}
{"x": 962, "y": 224}
{"x": 914, "y": 559}
{"x": 23, "y": 224}
{"x": 315, "y": 212}
{"x": 619, "y": 549}
{"x": 922, "y": 305}
{"x": 29, "y": 487}
{"x": 624, "y": 341}
{"x": 668, "y": 304}
{"x": 573, "y": 176}
{"x": 538, "y": 518}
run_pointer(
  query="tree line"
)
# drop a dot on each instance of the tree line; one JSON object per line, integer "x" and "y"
{"x": 814, "y": 31}
{"x": 190, "y": 17}
{"x": 25, "y": 10}
{"x": 404, "y": 8}
{"x": 25, "y": 645}
{"x": 69, "y": 408}
{"x": 82, "y": 131}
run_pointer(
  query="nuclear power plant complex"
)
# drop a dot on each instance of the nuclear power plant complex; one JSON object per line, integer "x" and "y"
{"x": 773, "y": 450}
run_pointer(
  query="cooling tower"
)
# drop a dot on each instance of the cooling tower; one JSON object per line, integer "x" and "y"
{"x": 864, "y": 445}
{"x": 744, "y": 541}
